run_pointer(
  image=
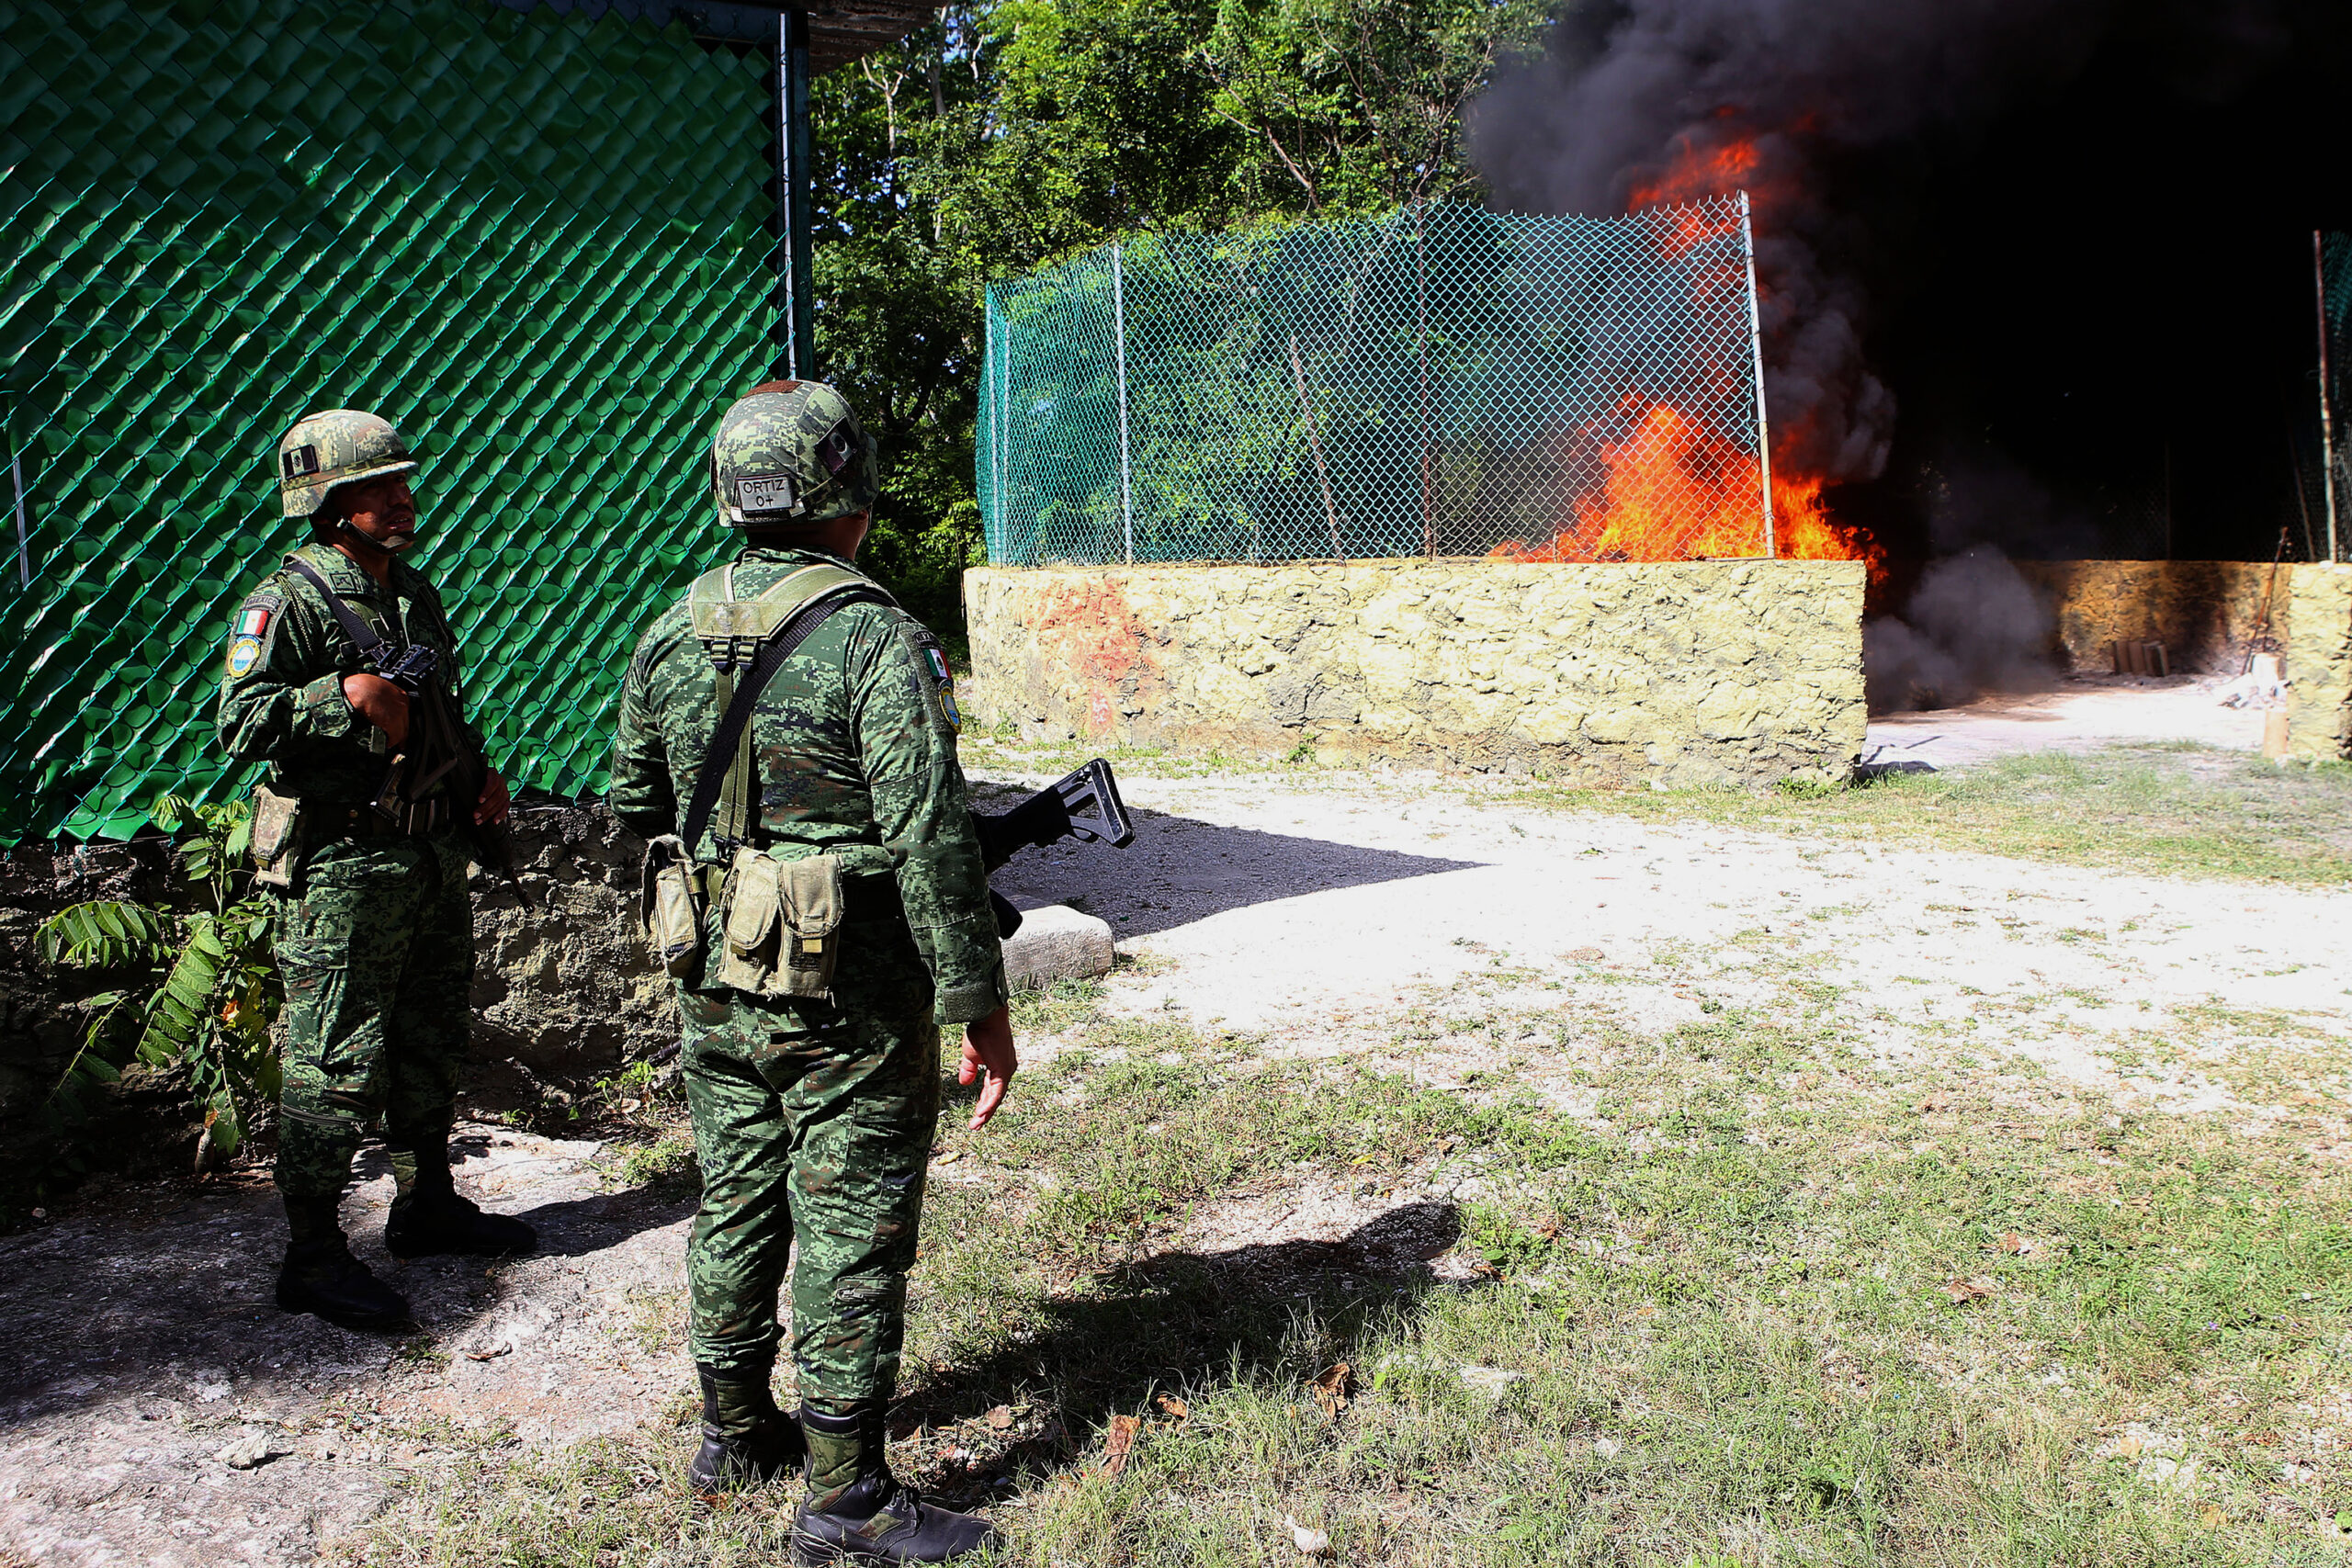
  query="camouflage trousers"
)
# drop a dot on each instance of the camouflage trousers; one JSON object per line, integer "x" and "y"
{"x": 378, "y": 954}
{"x": 813, "y": 1124}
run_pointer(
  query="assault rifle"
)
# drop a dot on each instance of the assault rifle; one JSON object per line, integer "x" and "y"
{"x": 411, "y": 669}
{"x": 1049, "y": 816}
{"x": 436, "y": 730}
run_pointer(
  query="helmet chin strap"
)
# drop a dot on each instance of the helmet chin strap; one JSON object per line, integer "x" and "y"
{"x": 386, "y": 546}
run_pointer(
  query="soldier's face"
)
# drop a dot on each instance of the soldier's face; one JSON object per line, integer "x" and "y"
{"x": 382, "y": 509}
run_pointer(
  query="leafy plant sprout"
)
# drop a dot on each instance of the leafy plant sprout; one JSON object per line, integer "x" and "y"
{"x": 206, "y": 991}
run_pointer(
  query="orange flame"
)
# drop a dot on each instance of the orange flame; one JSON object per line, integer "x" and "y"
{"x": 1674, "y": 489}
{"x": 1698, "y": 173}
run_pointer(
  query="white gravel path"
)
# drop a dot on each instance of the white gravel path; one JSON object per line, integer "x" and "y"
{"x": 1315, "y": 908}
{"x": 2080, "y": 713}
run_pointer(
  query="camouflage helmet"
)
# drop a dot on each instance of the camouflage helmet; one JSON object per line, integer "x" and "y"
{"x": 338, "y": 446}
{"x": 791, "y": 452}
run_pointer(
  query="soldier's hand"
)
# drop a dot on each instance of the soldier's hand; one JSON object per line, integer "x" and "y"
{"x": 987, "y": 1048}
{"x": 491, "y": 809}
{"x": 380, "y": 703}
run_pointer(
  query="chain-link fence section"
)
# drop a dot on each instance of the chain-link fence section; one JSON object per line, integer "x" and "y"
{"x": 533, "y": 240}
{"x": 1444, "y": 381}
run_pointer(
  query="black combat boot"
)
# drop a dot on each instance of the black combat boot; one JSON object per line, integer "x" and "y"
{"x": 321, "y": 1276}
{"x": 746, "y": 1440}
{"x": 429, "y": 1217}
{"x": 869, "y": 1519}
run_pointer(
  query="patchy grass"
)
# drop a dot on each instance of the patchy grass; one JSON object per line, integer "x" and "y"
{"x": 2166, "y": 810}
{"x": 668, "y": 1163}
{"x": 1764, "y": 1301}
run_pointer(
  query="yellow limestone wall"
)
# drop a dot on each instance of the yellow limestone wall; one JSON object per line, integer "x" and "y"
{"x": 2319, "y": 661}
{"x": 2204, "y": 611}
{"x": 2209, "y": 614}
{"x": 1682, "y": 673}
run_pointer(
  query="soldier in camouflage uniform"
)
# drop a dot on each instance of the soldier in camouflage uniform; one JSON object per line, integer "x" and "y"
{"x": 375, "y": 931}
{"x": 814, "y": 1117}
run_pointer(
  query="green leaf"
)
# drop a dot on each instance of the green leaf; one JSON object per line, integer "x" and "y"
{"x": 101, "y": 933}
{"x": 170, "y": 811}
{"x": 179, "y": 1009}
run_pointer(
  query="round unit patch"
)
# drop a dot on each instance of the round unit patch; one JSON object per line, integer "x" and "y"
{"x": 243, "y": 654}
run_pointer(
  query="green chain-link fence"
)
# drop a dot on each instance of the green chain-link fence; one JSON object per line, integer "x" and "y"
{"x": 1443, "y": 381}
{"x": 533, "y": 240}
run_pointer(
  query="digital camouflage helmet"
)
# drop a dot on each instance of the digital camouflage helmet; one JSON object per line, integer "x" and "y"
{"x": 791, "y": 452}
{"x": 339, "y": 447}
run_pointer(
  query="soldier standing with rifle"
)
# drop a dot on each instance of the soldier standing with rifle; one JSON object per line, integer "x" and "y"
{"x": 823, "y": 927}
{"x": 342, "y": 676}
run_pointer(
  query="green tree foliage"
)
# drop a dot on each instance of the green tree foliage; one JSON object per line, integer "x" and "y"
{"x": 1008, "y": 134}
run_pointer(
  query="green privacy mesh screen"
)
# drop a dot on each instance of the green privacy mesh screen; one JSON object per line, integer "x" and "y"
{"x": 1443, "y": 381}
{"x": 533, "y": 240}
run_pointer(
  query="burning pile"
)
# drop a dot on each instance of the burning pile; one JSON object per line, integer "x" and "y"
{"x": 1673, "y": 488}
{"x": 1625, "y": 130}
{"x": 1669, "y": 483}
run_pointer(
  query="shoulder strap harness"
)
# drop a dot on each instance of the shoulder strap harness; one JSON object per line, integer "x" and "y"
{"x": 748, "y": 641}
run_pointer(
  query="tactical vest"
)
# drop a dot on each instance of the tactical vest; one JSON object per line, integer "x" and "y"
{"x": 731, "y": 631}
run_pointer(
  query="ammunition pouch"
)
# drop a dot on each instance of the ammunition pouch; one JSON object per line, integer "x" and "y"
{"x": 670, "y": 903}
{"x": 782, "y": 923}
{"x": 277, "y": 840}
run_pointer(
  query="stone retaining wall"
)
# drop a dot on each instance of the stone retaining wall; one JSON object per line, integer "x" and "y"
{"x": 2204, "y": 611}
{"x": 1681, "y": 673}
{"x": 2209, "y": 614}
{"x": 565, "y": 989}
{"x": 2319, "y": 661}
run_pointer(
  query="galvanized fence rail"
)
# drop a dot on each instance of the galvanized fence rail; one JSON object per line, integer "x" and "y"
{"x": 1443, "y": 380}
{"x": 534, "y": 239}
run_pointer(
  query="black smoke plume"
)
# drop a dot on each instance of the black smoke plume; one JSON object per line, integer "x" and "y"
{"x": 2069, "y": 237}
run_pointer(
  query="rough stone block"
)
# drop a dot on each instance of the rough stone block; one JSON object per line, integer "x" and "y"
{"x": 1057, "y": 942}
{"x": 1580, "y": 670}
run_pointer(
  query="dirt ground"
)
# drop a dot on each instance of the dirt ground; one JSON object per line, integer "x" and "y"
{"x": 2078, "y": 713}
{"x": 156, "y": 1408}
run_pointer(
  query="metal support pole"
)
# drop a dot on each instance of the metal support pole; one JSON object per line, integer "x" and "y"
{"x": 2326, "y": 414}
{"x": 24, "y": 535}
{"x": 984, "y": 414}
{"x": 795, "y": 173}
{"x": 1421, "y": 307}
{"x": 1119, "y": 336}
{"x": 1756, "y": 358}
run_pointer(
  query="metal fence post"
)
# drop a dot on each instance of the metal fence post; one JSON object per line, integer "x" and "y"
{"x": 2326, "y": 413}
{"x": 795, "y": 166}
{"x": 1756, "y": 356}
{"x": 1005, "y": 432}
{"x": 1119, "y": 340}
{"x": 24, "y": 535}
{"x": 1422, "y": 311}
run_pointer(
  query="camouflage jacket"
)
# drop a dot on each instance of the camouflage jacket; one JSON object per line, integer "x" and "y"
{"x": 854, "y": 740}
{"x": 281, "y": 694}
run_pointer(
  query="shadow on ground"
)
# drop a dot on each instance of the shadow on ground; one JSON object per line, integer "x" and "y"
{"x": 1180, "y": 870}
{"x": 178, "y": 1292}
{"x": 1173, "y": 1322}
